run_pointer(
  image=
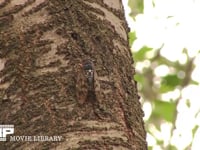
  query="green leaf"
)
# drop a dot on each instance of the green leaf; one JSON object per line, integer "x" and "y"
{"x": 150, "y": 147}
{"x": 172, "y": 147}
{"x": 194, "y": 82}
{"x": 164, "y": 110}
{"x": 140, "y": 55}
{"x": 132, "y": 38}
{"x": 139, "y": 78}
{"x": 169, "y": 83}
{"x": 194, "y": 130}
{"x": 171, "y": 80}
{"x": 188, "y": 103}
{"x": 136, "y": 6}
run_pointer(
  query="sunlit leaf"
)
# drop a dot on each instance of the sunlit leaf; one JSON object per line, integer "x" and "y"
{"x": 194, "y": 130}
{"x": 188, "y": 103}
{"x": 139, "y": 78}
{"x": 140, "y": 55}
{"x": 165, "y": 88}
{"x": 172, "y": 147}
{"x": 171, "y": 80}
{"x": 159, "y": 141}
{"x": 169, "y": 83}
{"x": 136, "y": 6}
{"x": 164, "y": 110}
{"x": 197, "y": 113}
{"x": 132, "y": 37}
{"x": 150, "y": 148}
{"x": 194, "y": 82}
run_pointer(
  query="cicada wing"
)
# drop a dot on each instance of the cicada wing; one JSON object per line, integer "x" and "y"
{"x": 97, "y": 88}
{"x": 81, "y": 87}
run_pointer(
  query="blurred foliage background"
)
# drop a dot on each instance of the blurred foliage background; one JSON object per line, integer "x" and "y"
{"x": 164, "y": 40}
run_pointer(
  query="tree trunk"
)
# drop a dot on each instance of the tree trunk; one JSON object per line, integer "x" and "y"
{"x": 43, "y": 44}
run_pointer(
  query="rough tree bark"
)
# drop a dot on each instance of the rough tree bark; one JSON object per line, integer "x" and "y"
{"x": 41, "y": 42}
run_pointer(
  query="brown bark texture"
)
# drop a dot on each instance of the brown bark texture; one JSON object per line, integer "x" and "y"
{"x": 42, "y": 43}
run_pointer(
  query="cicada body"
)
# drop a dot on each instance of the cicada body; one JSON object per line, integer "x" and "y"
{"x": 84, "y": 81}
{"x": 88, "y": 68}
